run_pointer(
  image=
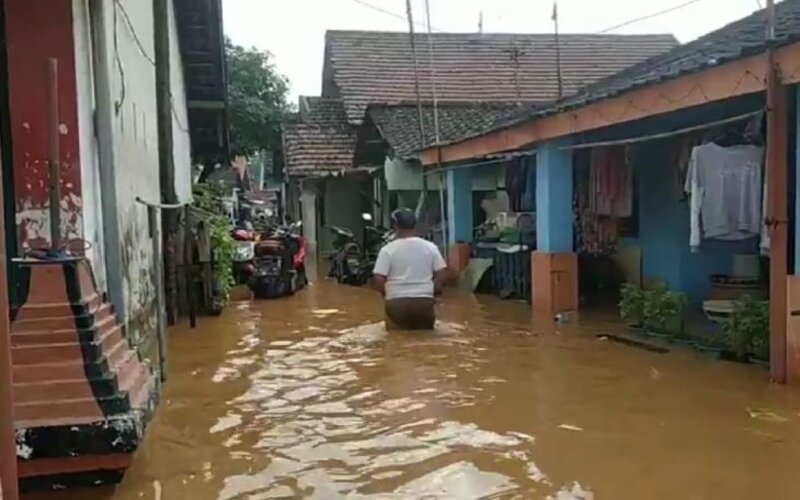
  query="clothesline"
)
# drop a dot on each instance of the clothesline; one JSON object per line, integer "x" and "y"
{"x": 502, "y": 158}
{"x": 664, "y": 135}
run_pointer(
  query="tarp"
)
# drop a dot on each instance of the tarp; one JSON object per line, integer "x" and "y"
{"x": 474, "y": 272}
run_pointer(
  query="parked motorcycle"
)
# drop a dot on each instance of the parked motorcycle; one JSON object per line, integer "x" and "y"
{"x": 351, "y": 264}
{"x": 280, "y": 263}
{"x": 244, "y": 257}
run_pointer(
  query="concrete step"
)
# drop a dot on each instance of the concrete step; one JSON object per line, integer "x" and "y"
{"x": 71, "y": 370}
{"x": 86, "y": 407}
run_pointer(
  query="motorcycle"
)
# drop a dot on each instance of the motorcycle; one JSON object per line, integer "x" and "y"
{"x": 280, "y": 264}
{"x": 351, "y": 264}
{"x": 243, "y": 258}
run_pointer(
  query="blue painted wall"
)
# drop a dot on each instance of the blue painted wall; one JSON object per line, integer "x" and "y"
{"x": 554, "y": 216}
{"x": 664, "y": 231}
{"x": 459, "y": 205}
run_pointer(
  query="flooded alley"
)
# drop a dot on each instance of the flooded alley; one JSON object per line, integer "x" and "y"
{"x": 309, "y": 397}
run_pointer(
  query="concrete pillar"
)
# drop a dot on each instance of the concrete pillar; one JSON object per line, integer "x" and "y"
{"x": 459, "y": 206}
{"x": 793, "y": 280}
{"x": 554, "y": 265}
{"x": 554, "y": 198}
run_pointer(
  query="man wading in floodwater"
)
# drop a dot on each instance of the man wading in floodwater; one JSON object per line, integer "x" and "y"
{"x": 409, "y": 272}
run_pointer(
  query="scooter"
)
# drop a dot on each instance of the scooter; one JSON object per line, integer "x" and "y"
{"x": 280, "y": 264}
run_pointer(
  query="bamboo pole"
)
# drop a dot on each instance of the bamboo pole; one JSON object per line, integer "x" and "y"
{"x": 54, "y": 154}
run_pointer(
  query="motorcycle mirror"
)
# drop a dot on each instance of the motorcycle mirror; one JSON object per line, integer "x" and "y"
{"x": 367, "y": 217}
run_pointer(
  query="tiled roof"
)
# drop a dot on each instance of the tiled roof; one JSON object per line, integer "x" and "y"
{"x": 313, "y": 150}
{"x": 322, "y": 111}
{"x": 399, "y": 124}
{"x": 363, "y": 67}
{"x": 739, "y": 39}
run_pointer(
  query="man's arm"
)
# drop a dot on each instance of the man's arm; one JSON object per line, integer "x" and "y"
{"x": 381, "y": 271}
{"x": 439, "y": 271}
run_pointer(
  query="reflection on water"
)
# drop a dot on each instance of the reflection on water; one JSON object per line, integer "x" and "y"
{"x": 309, "y": 397}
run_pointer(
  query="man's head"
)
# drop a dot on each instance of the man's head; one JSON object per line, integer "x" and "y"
{"x": 404, "y": 222}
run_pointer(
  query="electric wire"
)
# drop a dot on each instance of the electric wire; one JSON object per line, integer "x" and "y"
{"x": 118, "y": 7}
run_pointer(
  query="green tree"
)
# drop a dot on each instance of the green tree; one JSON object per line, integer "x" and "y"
{"x": 257, "y": 96}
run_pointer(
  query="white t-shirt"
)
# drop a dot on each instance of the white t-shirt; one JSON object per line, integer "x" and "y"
{"x": 409, "y": 264}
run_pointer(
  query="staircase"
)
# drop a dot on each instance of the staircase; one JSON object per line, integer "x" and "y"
{"x": 82, "y": 396}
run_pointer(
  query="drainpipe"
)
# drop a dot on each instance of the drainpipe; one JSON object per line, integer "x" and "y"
{"x": 166, "y": 160}
{"x": 106, "y": 139}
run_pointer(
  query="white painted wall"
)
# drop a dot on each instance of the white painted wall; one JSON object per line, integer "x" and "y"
{"x": 131, "y": 76}
{"x": 90, "y": 177}
{"x": 181, "y": 139}
{"x": 404, "y": 175}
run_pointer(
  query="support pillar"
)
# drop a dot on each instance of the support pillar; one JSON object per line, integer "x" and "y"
{"x": 793, "y": 280}
{"x": 554, "y": 265}
{"x": 777, "y": 170}
{"x": 459, "y": 217}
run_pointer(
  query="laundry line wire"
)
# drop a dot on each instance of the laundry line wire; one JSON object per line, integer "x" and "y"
{"x": 663, "y": 135}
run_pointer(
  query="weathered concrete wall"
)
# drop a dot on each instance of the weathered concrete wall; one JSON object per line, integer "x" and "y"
{"x": 181, "y": 140}
{"x": 137, "y": 171}
{"x": 89, "y": 164}
{"x": 135, "y": 128}
{"x": 36, "y": 31}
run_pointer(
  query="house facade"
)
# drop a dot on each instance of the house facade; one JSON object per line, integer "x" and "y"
{"x": 475, "y": 79}
{"x": 733, "y": 91}
{"x": 85, "y": 329}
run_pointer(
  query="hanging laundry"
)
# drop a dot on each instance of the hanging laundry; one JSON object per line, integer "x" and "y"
{"x": 611, "y": 184}
{"x": 724, "y": 185}
{"x": 517, "y": 183}
{"x": 764, "y": 244}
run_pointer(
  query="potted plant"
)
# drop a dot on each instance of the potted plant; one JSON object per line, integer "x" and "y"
{"x": 631, "y": 305}
{"x": 746, "y": 331}
{"x": 664, "y": 312}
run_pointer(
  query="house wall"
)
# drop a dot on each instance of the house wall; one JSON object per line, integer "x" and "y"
{"x": 89, "y": 164}
{"x": 181, "y": 137}
{"x": 134, "y": 134}
{"x": 37, "y": 30}
{"x": 404, "y": 175}
{"x": 664, "y": 230}
{"x": 343, "y": 206}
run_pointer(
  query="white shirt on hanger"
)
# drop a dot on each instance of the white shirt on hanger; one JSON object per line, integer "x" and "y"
{"x": 724, "y": 185}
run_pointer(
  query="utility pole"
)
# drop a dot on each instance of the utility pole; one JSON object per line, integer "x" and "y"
{"x": 480, "y": 22}
{"x": 558, "y": 51}
{"x": 420, "y": 116}
{"x": 166, "y": 162}
{"x": 777, "y": 213}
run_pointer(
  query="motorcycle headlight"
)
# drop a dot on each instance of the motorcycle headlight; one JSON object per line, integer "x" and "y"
{"x": 244, "y": 252}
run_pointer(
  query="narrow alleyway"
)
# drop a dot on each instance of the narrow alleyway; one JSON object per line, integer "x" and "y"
{"x": 309, "y": 397}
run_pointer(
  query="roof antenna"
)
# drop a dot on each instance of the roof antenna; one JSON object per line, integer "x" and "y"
{"x": 480, "y": 22}
{"x": 516, "y": 55}
{"x": 554, "y": 18}
{"x": 433, "y": 72}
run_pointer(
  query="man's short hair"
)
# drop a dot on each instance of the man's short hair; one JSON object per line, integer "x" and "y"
{"x": 404, "y": 219}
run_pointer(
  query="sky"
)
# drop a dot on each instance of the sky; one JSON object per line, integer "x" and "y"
{"x": 294, "y": 30}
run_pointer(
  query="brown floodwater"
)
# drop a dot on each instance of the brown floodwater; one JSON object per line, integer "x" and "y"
{"x": 309, "y": 397}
